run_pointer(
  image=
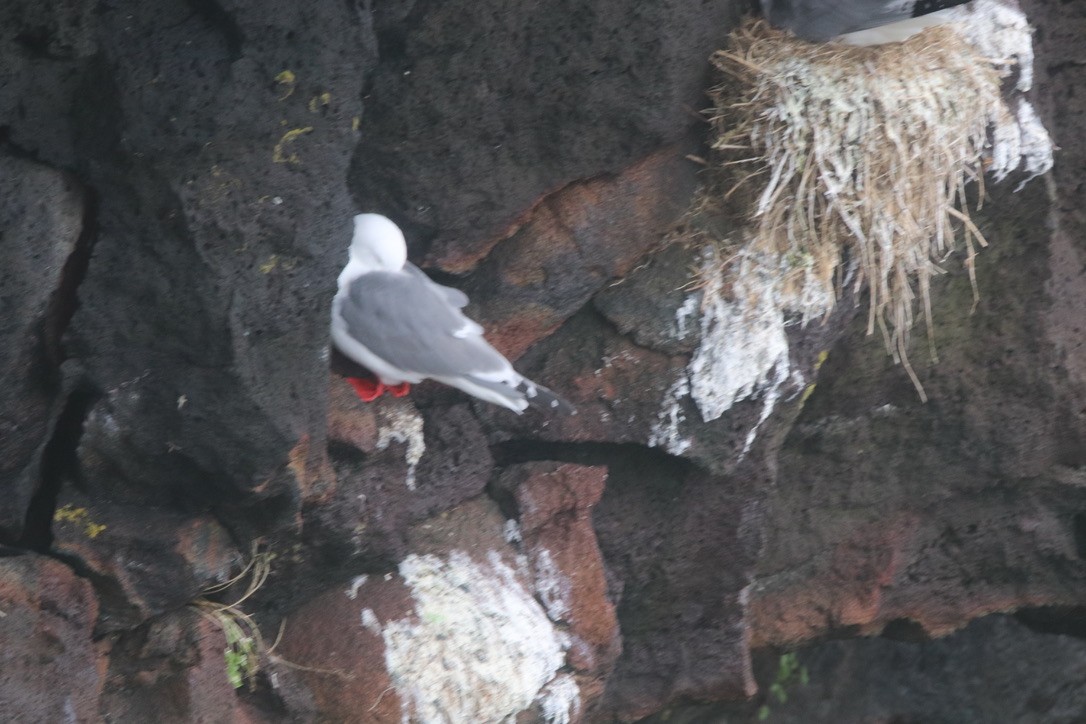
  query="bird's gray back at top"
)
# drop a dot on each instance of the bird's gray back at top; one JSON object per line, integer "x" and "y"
{"x": 822, "y": 20}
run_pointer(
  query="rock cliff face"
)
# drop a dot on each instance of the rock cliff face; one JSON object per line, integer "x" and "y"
{"x": 176, "y": 185}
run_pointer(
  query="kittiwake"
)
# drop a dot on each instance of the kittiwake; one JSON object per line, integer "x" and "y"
{"x": 392, "y": 319}
{"x": 857, "y": 22}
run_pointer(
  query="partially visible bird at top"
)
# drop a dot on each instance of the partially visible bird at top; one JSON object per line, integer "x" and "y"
{"x": 392, "y": 319}
{"x": 857, "y": 22}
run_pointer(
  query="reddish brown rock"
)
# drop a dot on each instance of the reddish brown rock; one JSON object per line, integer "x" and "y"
{"x": 859, "y": 572}
{"x": 574, "y": 242}
{"x": 313, "y": 472}
{"x": 935, "y": 572}
{"x": 346, "y": 677}
{"x": 554, "y": 505}
{"x": 349, "y": 420}
{"x": 456, "y": 633}
{"x": 616, "y": 386}
{"x": 50, "y": 668}
{"x": 173, "y": 670}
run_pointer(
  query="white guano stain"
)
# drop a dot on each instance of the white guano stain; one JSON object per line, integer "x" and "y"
{"x": 666, "y": 432}
{"x": 370, "y": 622}
{"x": 1000, "y": 31}
{"x": 356, "y": 583}
{"x": 743, "y": 344}
{"x": 1034, "y": 142}
{"x": 402, "y": 423}
{"x": 479, "y": 647}
{"x": 683, "y": 314}
{"x": 511, "y": 532}
{"x": 553, "y": 587}
{"x": 744, "y": 348}
{"x": 560, "y": 701}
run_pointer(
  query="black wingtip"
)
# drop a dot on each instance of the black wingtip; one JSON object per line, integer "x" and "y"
{"x": 924, "y": 7}
{"x": 545, "y": 400}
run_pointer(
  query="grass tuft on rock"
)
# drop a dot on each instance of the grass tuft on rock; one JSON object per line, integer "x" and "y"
{"x": 852, "y": 163}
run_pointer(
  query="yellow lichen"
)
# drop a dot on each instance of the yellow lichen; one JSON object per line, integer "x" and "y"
{"x": 807, "y": 392}
{"x": 317, "y": 102}
{"x": 286, "y": 79}
{"x": 78, "y": 516}
{"x": 278, "y": 262}
{"x": 69, "y": 514}
{"x": 279, "y": 155}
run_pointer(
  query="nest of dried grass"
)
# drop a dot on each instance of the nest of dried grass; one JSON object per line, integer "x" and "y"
{"x": 844, "y": 154}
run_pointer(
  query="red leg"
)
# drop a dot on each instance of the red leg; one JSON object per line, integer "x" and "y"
{"x": 400, "y": 390}
{"x": 367, "y": 390}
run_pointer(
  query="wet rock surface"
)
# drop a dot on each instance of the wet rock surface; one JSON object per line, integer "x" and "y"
{"x": 177, "y": 181}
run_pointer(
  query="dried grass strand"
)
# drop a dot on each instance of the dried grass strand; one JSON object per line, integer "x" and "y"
{"x": 864, "y": 154}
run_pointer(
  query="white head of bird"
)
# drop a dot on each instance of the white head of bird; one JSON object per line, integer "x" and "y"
{"x": 378, "y": 244}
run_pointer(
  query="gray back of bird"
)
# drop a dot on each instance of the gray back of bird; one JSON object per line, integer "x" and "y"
{"x": 821, "y": 20}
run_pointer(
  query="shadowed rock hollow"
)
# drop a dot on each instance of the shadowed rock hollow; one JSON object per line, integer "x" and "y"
{"x": 176, "y": 186}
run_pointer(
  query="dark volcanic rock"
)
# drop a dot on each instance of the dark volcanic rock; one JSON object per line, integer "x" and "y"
{"x": 480, "y": 109}
{"x": 457, "y": 463}
{"x": 389, "y": 468}
{"x": 655, "y": 304}
{"x": 681, "y": 546}
{"x": 1064, "y": 111}
{"x": 41, "y": 222}
{"x": 173, "y": 403}
{"x": 616, "y": 386}
{"x": 889, "y": 508}
{"x": 44, "y": 49}
{"x": 206, "y": 389}
{"x": 205, "y": 136}
{"x": 994, "y": 670}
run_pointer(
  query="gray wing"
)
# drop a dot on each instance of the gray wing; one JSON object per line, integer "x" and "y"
{"x": 411, "y": 324}
{"x": 455, "y": 297}
{"x": 820, "y": 20}
{"x": 536, "y": 395}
